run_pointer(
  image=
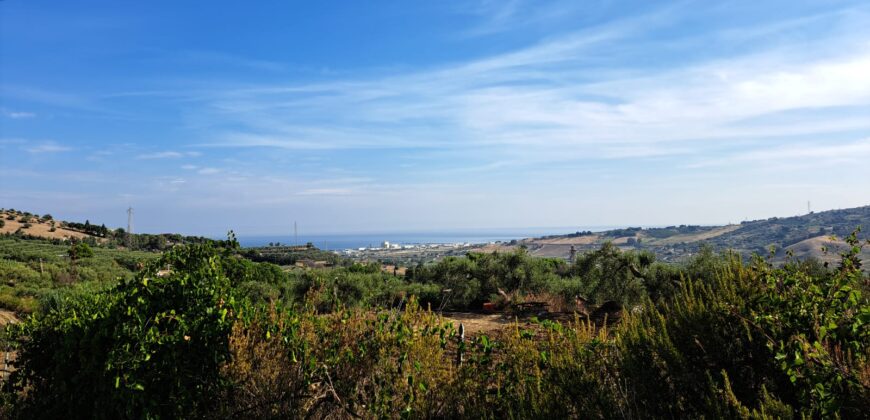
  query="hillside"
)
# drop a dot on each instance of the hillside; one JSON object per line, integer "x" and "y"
{"x": 38, "y": 226}
{"x": 33, "y": 226}
{"x": 805, "y": 236}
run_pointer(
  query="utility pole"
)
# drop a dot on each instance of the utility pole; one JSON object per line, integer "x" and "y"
{"x": 130, "y": 220}
{"x": 809, "y": 210}
{"x": 130, "y": 227}
{"x": 295, "y": 235}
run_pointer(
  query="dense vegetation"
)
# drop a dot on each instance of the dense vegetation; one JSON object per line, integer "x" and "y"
{"x": 201, "y": 331}
{"x": 35, "y": 270}
{"x": 289, "y": 255}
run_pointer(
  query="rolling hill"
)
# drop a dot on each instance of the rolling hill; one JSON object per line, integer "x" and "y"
{"x": 805, "y": 236}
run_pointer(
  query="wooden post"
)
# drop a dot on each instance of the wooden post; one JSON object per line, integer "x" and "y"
{"x": 461, "y": 348}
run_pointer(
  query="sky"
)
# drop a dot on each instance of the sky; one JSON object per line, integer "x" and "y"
{"x": 423, "y": 116}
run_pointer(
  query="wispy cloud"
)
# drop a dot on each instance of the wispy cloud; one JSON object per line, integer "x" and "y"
{"x": 167, "y": 155}
{"x": 16, "y": 115}
{"x": 571, "y": 97}
{"x": 47, "y": 147}
{"x": 810, "y": 154}
{"x": 325, "y": 191}
{"x": 506, "y": 15}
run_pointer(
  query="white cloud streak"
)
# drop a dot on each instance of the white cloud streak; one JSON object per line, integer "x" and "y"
{"x": 17, "y": 115}
{"x": 47, "y": 147}
{"x": 167, "y": 155}
{"x": 553, "y": 101}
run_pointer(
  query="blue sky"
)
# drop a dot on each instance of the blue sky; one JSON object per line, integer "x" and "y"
{"x": 397, "y": 115}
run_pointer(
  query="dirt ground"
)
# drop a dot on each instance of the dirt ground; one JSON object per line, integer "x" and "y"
{"x": 475, "y": 323}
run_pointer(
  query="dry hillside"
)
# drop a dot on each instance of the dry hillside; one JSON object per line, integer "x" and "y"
{"x": 39, "y": 227}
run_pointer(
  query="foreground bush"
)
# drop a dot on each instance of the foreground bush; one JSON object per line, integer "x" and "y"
{"x": 150, "y": 347}
{"x": 750, "y": 341}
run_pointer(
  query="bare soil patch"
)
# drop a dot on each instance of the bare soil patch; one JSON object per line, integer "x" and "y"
{"x": 476, "y": 323}
{"x": 482, "y": 323}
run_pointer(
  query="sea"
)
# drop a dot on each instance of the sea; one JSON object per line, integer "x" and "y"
{"x": 338, "y": 242}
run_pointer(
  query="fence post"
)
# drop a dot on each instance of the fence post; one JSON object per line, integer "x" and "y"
{"x": 461, "y": 348}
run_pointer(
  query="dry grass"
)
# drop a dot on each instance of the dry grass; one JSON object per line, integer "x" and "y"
{"x": 693, "y": 237}
{"x": 812, "y": 247}
{"x": 39, "y": 228}
{"x": 8, "y": 317}
{"x": 579, "y": 240}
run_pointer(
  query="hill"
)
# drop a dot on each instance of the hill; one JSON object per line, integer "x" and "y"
{"x": 44, "y": 226}
{"x": 805, "y": 236}
{"x": 33, "y": 226}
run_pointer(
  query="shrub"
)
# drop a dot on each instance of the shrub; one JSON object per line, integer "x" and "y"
{"x": 750, "y": 340}
{"x": 152, "y": 347}
{"x": 80, "y": 250}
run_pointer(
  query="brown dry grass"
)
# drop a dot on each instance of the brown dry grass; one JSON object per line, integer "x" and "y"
{"x": 693, "y": 237}
{"x": 580, "y": 240}
{"x": 40, "y": 229}
{"x": 8, "y": 317}
{"x": 812, "y": 247}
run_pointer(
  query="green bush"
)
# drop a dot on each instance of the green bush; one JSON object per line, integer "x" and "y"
{"x": 748, "y": 341}
{"x": 259, "y": 292}
{"x": 152, "y": 347}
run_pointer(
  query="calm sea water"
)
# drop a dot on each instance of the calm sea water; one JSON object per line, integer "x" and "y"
{"x": 354, "y": 241}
